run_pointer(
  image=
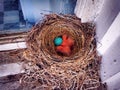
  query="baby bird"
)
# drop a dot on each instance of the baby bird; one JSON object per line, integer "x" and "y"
{"x": 66, "y": 47}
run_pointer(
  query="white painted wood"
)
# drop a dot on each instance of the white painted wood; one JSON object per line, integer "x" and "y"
{"x": 12, "y": 46}
{"x": 111, "y": 61}
{"x": 11, "y": 69}
{"x": 110, "y": 51}
{"x": 6, "y": 41}
{"x": 113, "y": 82}
{"x": 111, "y": 36}
{"x": 88, "y": 10}
{"x": 13, "y": 36}
{"x": 107, "y": 15}
{"x": 108, "y": 34}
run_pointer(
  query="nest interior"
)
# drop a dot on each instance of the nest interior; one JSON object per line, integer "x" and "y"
{"x": 48, "y": 70}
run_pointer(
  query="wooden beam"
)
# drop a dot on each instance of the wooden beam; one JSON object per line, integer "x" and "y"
{"x": 11, "y": 69}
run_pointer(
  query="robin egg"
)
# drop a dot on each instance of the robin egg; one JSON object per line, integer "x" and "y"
{"x": 58, "y": 41}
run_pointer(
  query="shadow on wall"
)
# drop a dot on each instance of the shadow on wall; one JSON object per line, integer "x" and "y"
{"x": 33, "y": 11}
{"x": 109, "y": 11}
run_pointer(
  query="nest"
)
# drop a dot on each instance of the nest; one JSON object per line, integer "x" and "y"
{"x": 47, "y": 69}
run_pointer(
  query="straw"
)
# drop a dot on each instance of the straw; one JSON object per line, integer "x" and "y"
{"x": 49, "y": 70}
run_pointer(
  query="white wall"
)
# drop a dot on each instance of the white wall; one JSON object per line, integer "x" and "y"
{"x": 107, "y": 20}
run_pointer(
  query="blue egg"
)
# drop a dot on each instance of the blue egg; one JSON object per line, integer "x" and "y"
{"x": 58, "y": 41}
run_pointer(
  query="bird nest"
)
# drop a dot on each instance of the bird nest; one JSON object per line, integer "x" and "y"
{"x": 49, "y": 70}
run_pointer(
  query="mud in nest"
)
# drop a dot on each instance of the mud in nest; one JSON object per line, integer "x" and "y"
{"x": 48, "y": 70}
